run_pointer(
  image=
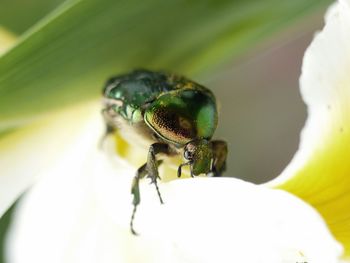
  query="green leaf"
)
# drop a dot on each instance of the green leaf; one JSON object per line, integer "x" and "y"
{"x": 67, "y": 57}
{"x": 29, "y": 11}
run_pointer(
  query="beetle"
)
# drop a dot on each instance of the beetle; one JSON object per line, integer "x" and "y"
{"x": 169, "y": 114}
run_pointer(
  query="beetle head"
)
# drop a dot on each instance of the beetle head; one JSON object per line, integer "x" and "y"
{"x": 199, "y": 155}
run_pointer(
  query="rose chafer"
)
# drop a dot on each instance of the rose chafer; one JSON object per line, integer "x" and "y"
{"x": 169, "y": 114}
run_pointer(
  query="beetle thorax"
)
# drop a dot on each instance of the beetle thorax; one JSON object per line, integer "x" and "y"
{"x": 181, "y": 116}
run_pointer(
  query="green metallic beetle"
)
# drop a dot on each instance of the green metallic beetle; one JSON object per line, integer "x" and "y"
{"x": 169, "y": 114}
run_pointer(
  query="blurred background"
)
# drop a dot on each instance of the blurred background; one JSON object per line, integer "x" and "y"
{"x": 261, "y": 110}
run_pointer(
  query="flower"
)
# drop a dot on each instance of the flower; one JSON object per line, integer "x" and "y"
{"x": 82, "y": 206}
{"x": 79, "y": 209}
{"x": 319, "y": 171}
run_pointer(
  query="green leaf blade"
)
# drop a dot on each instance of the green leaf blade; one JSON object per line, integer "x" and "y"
{"x": 68, "y": 56}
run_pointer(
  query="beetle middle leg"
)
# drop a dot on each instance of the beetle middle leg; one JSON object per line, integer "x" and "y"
{"x": 150, "y": 168}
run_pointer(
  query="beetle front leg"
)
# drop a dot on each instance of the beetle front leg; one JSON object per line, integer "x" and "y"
{"x": 152, "y": 164}
{"x": 135, "y": 191}
{"x": 220, "y": 151}
{"x": 150, "y": 168}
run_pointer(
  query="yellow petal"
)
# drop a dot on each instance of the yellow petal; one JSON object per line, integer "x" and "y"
{"x": 320, "y": 171}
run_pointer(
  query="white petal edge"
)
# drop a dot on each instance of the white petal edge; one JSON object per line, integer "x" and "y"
{"x": 325, "y": 87}
{"x": 80, "y": 211}
{"x": 28, "y": 151}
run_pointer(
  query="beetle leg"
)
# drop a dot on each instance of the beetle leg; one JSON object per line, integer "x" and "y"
{"x": 191, "y": 171}
{"x": 180, "y": 168}
{"x": 150, "y": 168}
{"x": 220, "y": 150}
{"x": 152, "y": 164}
{"x": 135, "y": 191}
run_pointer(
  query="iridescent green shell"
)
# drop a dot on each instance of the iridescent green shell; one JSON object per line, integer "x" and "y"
{"x": 177, "y": 109}
{"x": 131, "y": 91}
{"x": 182, "y": 115}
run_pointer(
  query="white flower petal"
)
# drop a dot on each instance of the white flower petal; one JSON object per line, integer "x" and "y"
{"x": 80, "y": 212}
{"x": 325, "y": 88}
{"x": 25, "y": 153}
{"x": 319, "y": 172}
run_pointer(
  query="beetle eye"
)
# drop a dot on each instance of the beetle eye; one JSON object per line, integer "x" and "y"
{"x": 188, "y": 155}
